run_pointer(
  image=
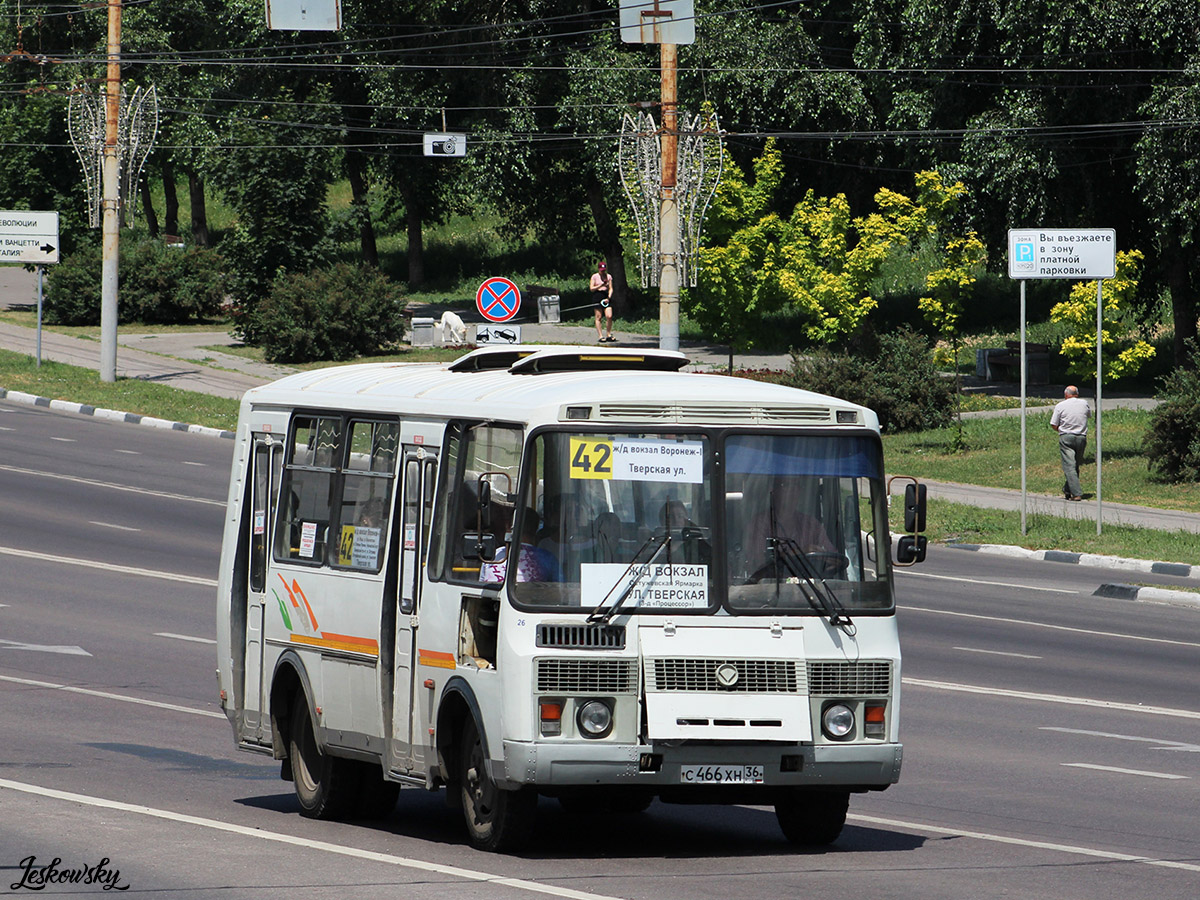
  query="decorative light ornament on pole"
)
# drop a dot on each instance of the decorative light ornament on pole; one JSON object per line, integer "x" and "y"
{"x": 667, "y": 23}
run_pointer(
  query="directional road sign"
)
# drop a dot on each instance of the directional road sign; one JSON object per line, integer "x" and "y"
{"x": 498, "y": 299}
{"x": 28, "y": 237}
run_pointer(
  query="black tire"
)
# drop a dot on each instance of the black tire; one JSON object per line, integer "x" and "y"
{"x": 326, "y": 786}
{"x": 497, "y": 820}
{"x": 813, "y": 819}
{"x": 376, "y": 796}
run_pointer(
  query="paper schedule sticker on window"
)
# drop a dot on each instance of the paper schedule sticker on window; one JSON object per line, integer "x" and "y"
{"x": 637, "y": 459}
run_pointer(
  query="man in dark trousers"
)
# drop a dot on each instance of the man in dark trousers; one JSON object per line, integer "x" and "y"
{"x": 1069, "y": 419}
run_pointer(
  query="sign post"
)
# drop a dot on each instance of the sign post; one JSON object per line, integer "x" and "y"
{"x": 667, "y": 23}
{"x": 30, "y": 237}
{"x": 1080, "y": 254}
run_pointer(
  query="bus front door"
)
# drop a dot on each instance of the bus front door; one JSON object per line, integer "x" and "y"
{"x": 266, "y": 460}
{"x": 419, "y": 475}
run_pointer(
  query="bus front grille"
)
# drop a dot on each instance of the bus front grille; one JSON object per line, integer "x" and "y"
{"x": 850, "y": 679}
{"x": 754, "y": 676}
{"x": 586, "y": 676}
{"x": 581, "y": 637}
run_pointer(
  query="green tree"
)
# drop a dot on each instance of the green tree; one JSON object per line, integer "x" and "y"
{"x": 1123, "y": 355}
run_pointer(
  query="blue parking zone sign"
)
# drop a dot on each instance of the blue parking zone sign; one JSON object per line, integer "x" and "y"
{"x": 1022, "y": 261}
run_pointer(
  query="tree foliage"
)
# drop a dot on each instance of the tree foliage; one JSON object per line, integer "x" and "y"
{"x": 1123, "y": 355}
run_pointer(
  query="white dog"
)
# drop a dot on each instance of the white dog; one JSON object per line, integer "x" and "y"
{"x": 458, "y": 330}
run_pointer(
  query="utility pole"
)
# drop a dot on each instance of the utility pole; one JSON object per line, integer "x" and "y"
{"x": 668, "y": 282}
{"x": 111, "y": 224}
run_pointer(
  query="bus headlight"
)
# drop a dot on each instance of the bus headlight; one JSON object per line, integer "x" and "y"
{"x": 595, "y": 719}
{"x": 837, "y": 721}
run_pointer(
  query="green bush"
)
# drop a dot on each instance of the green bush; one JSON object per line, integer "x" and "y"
{"x": 328, "y": 314}
{"x": 156, "y": 284}
{"x": 899, "y": 381}
{"x": 1173, "y": 440}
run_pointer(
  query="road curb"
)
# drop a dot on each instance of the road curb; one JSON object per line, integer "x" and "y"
{"x": 1150, "y": 567}
{"x": 111, "y": 414}
{"x": 1150, "y": 594}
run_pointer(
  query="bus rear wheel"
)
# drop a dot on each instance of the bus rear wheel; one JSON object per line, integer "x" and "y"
{"x": 812, "y": 819}
{"x": 326, "y": 786}
{"x": 497, "y": 820}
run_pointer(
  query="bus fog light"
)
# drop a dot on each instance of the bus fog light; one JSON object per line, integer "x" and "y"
{"x": 595, "y": 719}
{"x": 837, "y": 721}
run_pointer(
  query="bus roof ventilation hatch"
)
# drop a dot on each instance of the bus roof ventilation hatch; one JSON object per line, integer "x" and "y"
{"x": 579, "y": 359}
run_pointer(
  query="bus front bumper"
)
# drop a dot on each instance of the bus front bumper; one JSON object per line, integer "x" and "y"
{"x": 843, "y": 766}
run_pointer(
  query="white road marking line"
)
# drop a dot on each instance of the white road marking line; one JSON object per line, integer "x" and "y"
{"x": 1026, "y": 587}
{"x": 184, "y": 637}
{"x": 1125, "y": 771}
{"x": 64, "y": 649}
{"x": 111, "y": 525}
{"x": 1031, "y": 624}
{"x": 1162, "y": 744}
{"x": 71, "y": 689}
{"x": 1025, "y": 842}
{"x": 65, "y": 440}
{"x": 996, "y": 652}
{"x": 406, "y": 862}
{"x": 109, "y": 567}
{"x": 1053, "y": 698}
{"x": 130, "y": 452}
{"x": 200, "y": 464}
{"x": 108, "y": 484}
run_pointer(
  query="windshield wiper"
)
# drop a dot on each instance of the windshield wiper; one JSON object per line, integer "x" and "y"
{"x": 602, "y": 614}
{"x": 820, "y": 595}
{"x": 796, "y": 560}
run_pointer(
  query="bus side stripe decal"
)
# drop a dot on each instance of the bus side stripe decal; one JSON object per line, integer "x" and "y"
{"x": 436, "y": 659}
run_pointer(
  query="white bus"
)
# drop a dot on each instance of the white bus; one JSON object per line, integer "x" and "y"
{"x": 563, "y": 572}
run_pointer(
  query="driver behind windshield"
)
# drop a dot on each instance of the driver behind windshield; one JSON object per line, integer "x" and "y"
{"x": 784, "y": 510}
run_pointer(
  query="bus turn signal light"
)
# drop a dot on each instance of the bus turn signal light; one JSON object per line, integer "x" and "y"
{"x": 551, "y": 716}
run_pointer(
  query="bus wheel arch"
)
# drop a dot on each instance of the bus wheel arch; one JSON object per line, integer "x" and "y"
{"x": 458, "y": 704}
{"x": 289, "y": 680}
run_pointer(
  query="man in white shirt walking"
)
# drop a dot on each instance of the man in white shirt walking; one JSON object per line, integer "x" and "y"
{"x": 1070, "y": 420}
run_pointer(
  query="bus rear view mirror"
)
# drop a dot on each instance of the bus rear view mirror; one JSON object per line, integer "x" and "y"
{"x": 477, "y": 545}
{"x": 914, "y": 507}
{"x": 910, "y": 549}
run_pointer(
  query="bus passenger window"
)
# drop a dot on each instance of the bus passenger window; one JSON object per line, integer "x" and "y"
{"x": 303, "y": 528}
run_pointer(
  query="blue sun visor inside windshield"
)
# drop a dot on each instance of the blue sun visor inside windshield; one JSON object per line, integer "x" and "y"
{"x": 830, "y": 456}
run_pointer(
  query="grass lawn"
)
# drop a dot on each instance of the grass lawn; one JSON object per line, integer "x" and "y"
{"x": 993, "y": 459}
{"x": 962, "y": 524}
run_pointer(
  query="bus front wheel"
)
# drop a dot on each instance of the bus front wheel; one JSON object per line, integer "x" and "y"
{"x": 326, "y": 786}
{"x": 497, "y": 820}
{"x": 812, "y": 819}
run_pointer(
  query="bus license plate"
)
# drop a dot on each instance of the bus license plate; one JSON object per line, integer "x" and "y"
{"x": 721, "y": 775}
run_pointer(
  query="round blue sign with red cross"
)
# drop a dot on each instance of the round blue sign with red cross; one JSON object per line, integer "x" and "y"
{"x": 498, "y": 299}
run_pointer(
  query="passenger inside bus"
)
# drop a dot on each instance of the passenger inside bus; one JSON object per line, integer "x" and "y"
{"x": 534, "y": 563}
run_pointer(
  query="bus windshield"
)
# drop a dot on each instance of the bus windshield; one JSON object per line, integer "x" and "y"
{"x": 626, "y": 519}
{"x": 628, "y": 522}
{"x": 804, "y": 518}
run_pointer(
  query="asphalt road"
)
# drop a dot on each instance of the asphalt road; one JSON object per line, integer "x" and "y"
{"x": 1052, "y": 747}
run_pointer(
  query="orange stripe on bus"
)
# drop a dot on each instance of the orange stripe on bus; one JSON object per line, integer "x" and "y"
{"x": 436, "y": 659}
{"x": 338, "y": 642}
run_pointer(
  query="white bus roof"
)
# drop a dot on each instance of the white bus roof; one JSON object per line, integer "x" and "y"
{"x": 538, "y": 384}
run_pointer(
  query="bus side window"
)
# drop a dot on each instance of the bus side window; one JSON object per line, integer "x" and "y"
{"x": 482, "y": 462}
{"x": 303, "y": 528}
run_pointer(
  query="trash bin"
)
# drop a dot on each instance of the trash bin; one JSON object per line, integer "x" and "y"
{"x": 548, "y": 309}
{"x": 421, "y": 334}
